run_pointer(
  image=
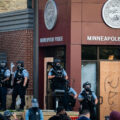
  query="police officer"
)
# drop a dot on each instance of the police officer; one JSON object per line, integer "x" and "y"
{"x": 88, "y": 100}
{"x": 58, "y": 75}
{"x": 4, "y": 78}
{"x": 20, "y": 85}
{"x": 34, "y": 113}
{"x": 69, "y": 98}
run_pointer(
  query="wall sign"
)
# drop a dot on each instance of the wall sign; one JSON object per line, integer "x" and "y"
{"x": 103, "y": 38}
{"x": 50, "y": 14}
{"x": 111, "y": 13}
{"x": 51, "y": 39}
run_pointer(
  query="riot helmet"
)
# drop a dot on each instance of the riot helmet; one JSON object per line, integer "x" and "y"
{"x": 20, "y": 65}
{"x": 3, "y": 64}
{"x": 7, "y": 113}
{"x": 87, "y": 86}
{"x": 57, "y": 63}
{"x": 35, "y": 103}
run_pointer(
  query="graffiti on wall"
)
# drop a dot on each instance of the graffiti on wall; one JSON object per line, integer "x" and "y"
{"x": 111, "y": 88}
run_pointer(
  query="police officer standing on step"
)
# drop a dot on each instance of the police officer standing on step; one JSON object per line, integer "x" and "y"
{"x": 20, "y": 85}
{"x": 58, "y": 78}
{"x": 57, "y": 75}
{"x": 4, "y": 77}
{"x": 88, "y": 100}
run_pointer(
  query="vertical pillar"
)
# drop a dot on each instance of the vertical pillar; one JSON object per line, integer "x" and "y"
{"x": 35, "y": 52}
{"x": 75, "y": 71}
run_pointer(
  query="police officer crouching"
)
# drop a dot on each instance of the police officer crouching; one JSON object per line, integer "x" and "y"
{"x": 69, "y": 99}
{"x": 20, "y": 85}
{"x": 88, "y": 100}
{"x": 4, "y": 78}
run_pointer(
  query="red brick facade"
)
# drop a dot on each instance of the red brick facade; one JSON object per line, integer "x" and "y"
{"x": 18, "y": 45}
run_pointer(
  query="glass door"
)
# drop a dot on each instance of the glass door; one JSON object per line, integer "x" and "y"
{"x": 88, "y": 73}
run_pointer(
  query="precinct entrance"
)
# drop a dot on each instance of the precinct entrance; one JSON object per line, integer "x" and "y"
{"x": 101, "y": 67}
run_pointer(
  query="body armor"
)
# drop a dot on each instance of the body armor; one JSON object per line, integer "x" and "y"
{"x": 89, "y": 104}
{"x": 88, "y": 101}
{"x": 34, "y": 114}
{"x": 19, "y": 78}
{"x": 59, "y": 82}
{"x": 2, "y": 77}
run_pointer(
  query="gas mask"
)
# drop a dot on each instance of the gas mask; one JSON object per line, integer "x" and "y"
{"x": 19, "y": 67}
{"x": 58, "y": 66}
{"x": 87, "y": 89}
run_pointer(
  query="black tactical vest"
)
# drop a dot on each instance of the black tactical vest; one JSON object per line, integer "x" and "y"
{"x": 34, "y": 114}
{"x": 88, "y": 102}
{"x": 2, "y": 76}
{"x": 58, "y": 82}
{"x": 2, "y": 72}
{"x": 19, "y": 77}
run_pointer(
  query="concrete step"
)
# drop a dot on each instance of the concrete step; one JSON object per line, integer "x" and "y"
{"x": 46, "y": 113}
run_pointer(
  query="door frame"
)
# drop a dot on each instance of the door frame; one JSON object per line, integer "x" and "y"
{"x": 46, "y": 61}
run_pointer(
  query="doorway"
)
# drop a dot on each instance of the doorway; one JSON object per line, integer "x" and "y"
{"x": 100, "y": 66}
{"x": 49, "y": 54}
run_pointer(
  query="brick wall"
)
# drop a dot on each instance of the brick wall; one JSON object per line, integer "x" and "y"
{"x": 18, "y": 45}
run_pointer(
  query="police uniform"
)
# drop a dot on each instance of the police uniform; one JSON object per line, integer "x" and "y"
{"x": 51, "y": 72}
{"x": 19, "y": 89}
{"x": 88, "y": 104}
{"x": 34, "y": 113}
{"x": 58, "y": 82}
{"x": 69, "y": 100}
{"x": 4, "y": 73}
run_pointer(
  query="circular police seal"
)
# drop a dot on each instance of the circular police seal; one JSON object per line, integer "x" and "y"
{"x": 111, "y": 13}
{"x": 50, "y": 14}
